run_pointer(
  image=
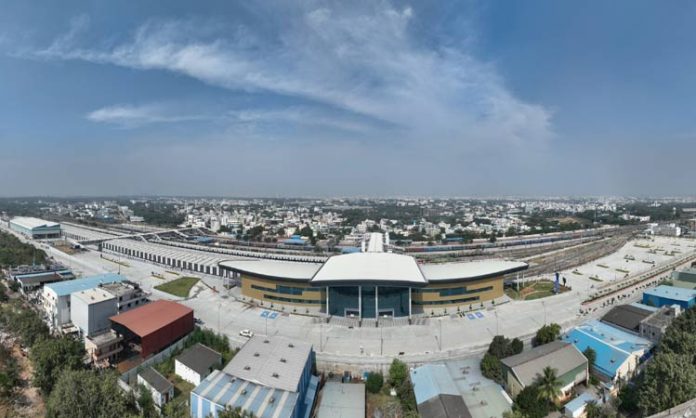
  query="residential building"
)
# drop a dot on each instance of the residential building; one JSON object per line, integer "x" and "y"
{"x": 522, "y": 370}
{"x": 342, "y": 400}
{"x": 103, "y": 348}
{"x": 56, "y": 296}
{"x": 128, "y": 295}
{"x": 162, "y": 390}
{"x": 654, "y": 326}
{"x": 268, "y": 377}
{"x": 91, "y": 309}
{"x": 196, "y": 363}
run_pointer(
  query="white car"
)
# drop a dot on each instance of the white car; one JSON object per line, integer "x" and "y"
{"x": 246, "y": 333}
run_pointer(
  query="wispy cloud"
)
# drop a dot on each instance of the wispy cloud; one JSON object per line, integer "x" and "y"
{"x": 362, "y": 60}
{"x": 130, "y": 116}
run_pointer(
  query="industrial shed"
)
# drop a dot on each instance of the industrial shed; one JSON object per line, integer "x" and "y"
{"x": 154, "y": 326}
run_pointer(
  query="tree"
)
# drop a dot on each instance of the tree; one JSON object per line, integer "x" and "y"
{"x": 516, "y": 347}
{"x": 51, "y": 357}
{"x": 398, "y": 372}
{"x": 547, "y": 333}
{"x": 374, "y": 382}
{"x": 593, "y": 410}
{"x": 492, "y": 368}
{"x": 527, "y": 403}
{"x": 498, "y": 347}
{"x": 146, "y": 403}
{"x": 591, "y": 357}
{"x": 87, "y": 394}
{"x": 668, "y": 380}
{"x": 407, "y": 398}
{"x": 549, "y": 385}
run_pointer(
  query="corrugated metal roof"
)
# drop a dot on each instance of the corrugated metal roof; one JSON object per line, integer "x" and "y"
{"x": 223, "y": 389}
{"x": 275, "y": 362}
{"x": 673, "y": 293}
{"x": 432, "y": 380}
{"x": 31, "y": 223}
{"x": 147, "y": 319}
{"x": 155, "y": 379}
{"x": 559, "y": 355}
{"x": 71, "y": 286}
{"x": 274, "y": 269}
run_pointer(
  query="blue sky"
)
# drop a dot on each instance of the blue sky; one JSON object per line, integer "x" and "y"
{"x": 364, "y": 98}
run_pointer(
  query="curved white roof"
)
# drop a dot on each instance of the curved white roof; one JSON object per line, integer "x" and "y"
{"x": 382, "y": 267}
{"x": 470, "y": 269}
{"x": 374, "y": 267}
{"x": 274, "y": 269}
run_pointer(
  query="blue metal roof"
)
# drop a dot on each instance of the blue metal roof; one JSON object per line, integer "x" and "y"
{"x": 432, "y": 380}
{"x": 72, "y": 286}
{"x": 672, "y": 293}
{"x": 222, "y": 389}
{"x": 612, "y": 345}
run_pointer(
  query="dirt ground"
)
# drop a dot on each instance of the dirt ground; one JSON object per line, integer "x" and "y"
{"x": 29, "y": 402}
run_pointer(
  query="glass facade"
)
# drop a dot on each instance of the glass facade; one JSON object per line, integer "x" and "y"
{"x": 368, "y": 301}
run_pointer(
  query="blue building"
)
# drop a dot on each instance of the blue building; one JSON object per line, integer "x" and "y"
{"x": 669, "y": 295}
{"x": 269, "y": 377}
{"x": 618, "y": 352}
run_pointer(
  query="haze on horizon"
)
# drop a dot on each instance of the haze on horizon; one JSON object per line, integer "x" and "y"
{"x": 321, "y": 98}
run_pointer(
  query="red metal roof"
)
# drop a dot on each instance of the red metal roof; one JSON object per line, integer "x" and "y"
{"x": 149, "y": 318}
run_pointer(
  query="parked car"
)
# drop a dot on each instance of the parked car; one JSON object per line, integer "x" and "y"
{"x": 246, "y": 333}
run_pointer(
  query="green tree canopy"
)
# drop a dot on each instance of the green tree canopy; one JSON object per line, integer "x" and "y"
{"x": 549, "y": 385}
{"x": 527, "y": 403}
{"x": 374, "y": 382}
{"x": 492, "y": 368}
{"x": 398, "y": 372}
{"x": 668, "y": 380}
{"x": 237, "y": 412}
{"x": 547, "y": 333}
{"x": 51, "y": 357}
{"x": 87, "y": 394}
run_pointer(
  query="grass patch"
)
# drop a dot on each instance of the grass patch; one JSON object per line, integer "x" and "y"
{"x": 595, "y": 278}
{"x": 604, "y": 266}
{"x": 622, "y": 271}
{"x": 179, "y": 287}
{"x": 577, "y": 272}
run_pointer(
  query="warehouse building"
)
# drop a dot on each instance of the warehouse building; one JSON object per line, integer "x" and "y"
{"x": 154, "y": 326}
{"x": 437, "y": 395}
{"x": 372, "y": 283}
{"x": 685, "y": 278}
{"x": 668, "y": 295}
{"x": 268, "y": 377}
{"x": 618, "y": 352}
{"x": 31, "y": 279}
{"x": 35, "y": 228}
{"x": 521, "y": 370}
{"x": 56, "y": 296}
{"x": 91, "y": 309}
{"x": 627, "y": 317}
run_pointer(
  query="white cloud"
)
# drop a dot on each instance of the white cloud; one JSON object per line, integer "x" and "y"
{"x": 363, "y": 60}
{"x": 131, "y": 116}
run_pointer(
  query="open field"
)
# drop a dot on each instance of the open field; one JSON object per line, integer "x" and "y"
{"x": 179, "y": 287}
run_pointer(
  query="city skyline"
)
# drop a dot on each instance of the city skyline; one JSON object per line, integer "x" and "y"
{"x": 321, "y": 99}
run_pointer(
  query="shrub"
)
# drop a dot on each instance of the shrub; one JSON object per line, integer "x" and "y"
{"x": 374, "y": 382}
